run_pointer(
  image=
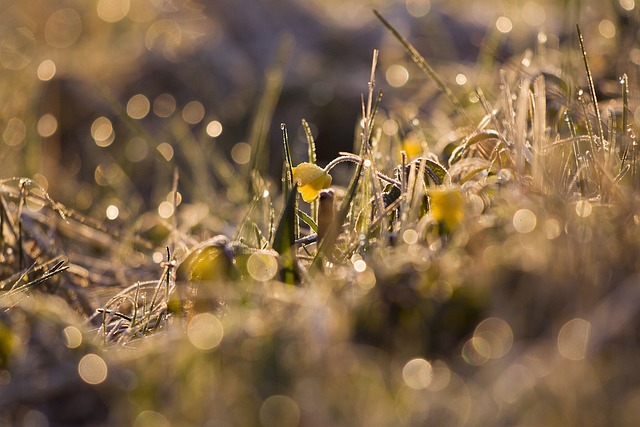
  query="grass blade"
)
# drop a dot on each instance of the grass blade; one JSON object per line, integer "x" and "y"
{"x": 285, "y": 237}
{"x": 425, "y": 67}
{"x": 592, "y": 87}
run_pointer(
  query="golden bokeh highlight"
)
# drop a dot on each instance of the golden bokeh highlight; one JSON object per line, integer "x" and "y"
{"x": 524, "y": 221}
{"x": 164, "y": 105}
{"x": 138, "y": 106}
{"x": 63, "y": 28}
{"x": 504, "y": 25}
{"x": 113, "y": 10}
{"x": 15, "y": 132}
{"x": 475, "y": 351}
{"x": 47, "y": 125}
{"x": 262, "y": 266}
{"x": 166, "y": 150}
{"x": 92, "y": 369}
{"x": 241, "y": 153}
{"x": 112, "y": 212}
{"x": 214, "y": 129}
{"x": 573, "y": 339}
{"x": 72, "y": 337}
{"x": 102, "y": 132}
{"x": 205, "y": 331}
{"x": 417, "y": 374}
{"x": 418, "y": 8}
{"x": 397, "y": 75}
{"x": 193, "y": 112}
{"x": 165, "y": 209}
{"x": 279, "y": 411}
{"x": 497, "y": 338}
{"x": 46, "y": 70}
{"x": 151, "y": 419}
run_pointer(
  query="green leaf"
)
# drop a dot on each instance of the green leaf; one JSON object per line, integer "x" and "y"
{"x": 285, "y": 237}
{"x": 308, "y": 220}
{"x": 434, "y": 172}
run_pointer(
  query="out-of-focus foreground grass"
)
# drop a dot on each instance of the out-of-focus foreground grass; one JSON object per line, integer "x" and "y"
{"x": 460, "y": 251}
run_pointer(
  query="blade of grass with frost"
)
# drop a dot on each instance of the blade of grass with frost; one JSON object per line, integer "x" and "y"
{"x": 539, "y": 130}
{"x": 289, "y": 173}
{"x": 507, "y": 105}
{"x": 522, "y": 110}
{"x": 285, "y": 236}
{"x": 311, "y": 144}
{"x": 266, "y": 106}
{"x": 625, "y": 118}
{"x": 425, "y": 67}
{"x": 592, "y": 87}
{"x": 57, "y": 268}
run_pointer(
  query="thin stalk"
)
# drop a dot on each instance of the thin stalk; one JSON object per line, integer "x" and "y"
{"x": 426, "y": 68}
{"x": 592, "y": 87}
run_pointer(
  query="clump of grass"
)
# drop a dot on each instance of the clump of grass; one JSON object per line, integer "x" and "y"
{"x": 487, "y": 281}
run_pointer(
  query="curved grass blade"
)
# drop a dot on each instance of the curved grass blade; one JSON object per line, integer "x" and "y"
{"x": 425, "y": 67}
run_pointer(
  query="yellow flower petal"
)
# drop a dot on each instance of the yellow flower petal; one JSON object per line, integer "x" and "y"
{"x": 311, "y": 179}
{"x": 447, "y": 207}
{"x": 412, "y": 146}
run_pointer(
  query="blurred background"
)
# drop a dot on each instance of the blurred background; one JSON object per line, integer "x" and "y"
{"x": 101, "y": 98}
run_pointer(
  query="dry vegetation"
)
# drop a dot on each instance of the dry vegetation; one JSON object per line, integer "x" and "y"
{"x": 470, "y": 259}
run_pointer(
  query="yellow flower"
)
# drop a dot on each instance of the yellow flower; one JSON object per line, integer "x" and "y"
{"x": 447, "y": 207}
{"x": 311, "y": 180}
{"x": 412, "y": 146}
